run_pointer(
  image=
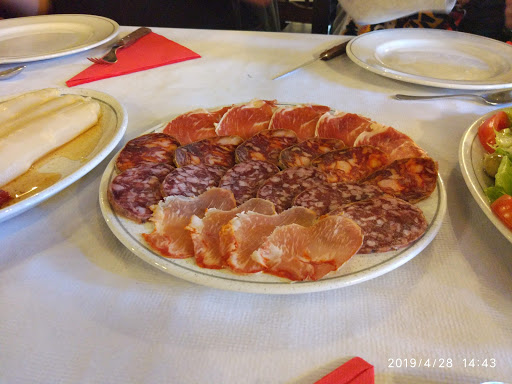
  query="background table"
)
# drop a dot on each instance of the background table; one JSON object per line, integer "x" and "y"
{"x": 76, "y": 306}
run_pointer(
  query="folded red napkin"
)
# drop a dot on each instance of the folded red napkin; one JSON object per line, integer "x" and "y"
{"x": 150, "y": 51}
{"x": 354, "y": 371}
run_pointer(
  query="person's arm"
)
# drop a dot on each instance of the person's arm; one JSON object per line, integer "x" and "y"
{"x": 379, "y": 11}
{"x": 18, "y": 8}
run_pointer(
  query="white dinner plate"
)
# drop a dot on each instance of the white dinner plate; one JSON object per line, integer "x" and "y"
{"x": 112, "y": 124}
{"x": 471, "y": 154}
{"x": 34, "y": 38}
{"x": 358, "y": 269}
{"x": 437, "y": 58}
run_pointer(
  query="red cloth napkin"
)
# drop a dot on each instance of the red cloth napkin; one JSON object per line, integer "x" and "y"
{"x": 150, "y": 51}
{"x": 354, "y": 371}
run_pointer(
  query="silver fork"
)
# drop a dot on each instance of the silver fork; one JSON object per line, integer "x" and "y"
{"x": 111, "y": 56}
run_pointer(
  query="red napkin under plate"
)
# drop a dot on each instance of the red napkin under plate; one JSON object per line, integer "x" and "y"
{"x": 150, "y": 51}
{"x": 354, "y": 371}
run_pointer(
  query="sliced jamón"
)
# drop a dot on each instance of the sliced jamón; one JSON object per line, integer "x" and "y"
{"x": 300, "y": 118}
{"x": 205, "y": 231}
{"x": 170, "y": 238}
{"x": 195, "y": 125}
{"x": 245, "y": 233}
{"x": 302, "y": 253}
{"x": 245, "y": 120}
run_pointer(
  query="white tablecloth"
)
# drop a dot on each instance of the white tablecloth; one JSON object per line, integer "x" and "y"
{"x": 76, "y": 306}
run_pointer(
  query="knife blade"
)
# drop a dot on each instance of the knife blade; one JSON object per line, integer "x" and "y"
{"x": 328, "y": 54}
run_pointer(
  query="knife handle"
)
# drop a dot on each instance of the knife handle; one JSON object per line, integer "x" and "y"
{"x": 133, "y": 37}
{"x": 335, "y": 51}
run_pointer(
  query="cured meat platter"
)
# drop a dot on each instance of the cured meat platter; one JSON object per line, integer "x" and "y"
{"x": 139, "y": 236}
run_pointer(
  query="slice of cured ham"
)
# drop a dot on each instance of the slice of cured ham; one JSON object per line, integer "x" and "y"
{"x": 246, "y": 233}
{"x": 343, "y": 126}
{"x": 265, "y": 145}
{"x": 205, "y": 231}
{"x": 171, "y": 216}
{"x": 388, "y": 223}
{"x": 309, "y": 253}
{"x": 411, "y": 179}
{"x": 247, "y": 119}
{"x": 395, "y": 144}
{"x": 351, "y": 164}
{"x": 299, "y": 118}
{"x": 195, "y": 125}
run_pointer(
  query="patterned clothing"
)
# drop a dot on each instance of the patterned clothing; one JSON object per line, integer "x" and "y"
{"x": 419, "y": 20}
{"x": 481, "y": 17}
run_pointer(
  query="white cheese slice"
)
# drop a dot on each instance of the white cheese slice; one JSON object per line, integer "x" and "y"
{"x": 21, "y": 148}
{"x": 15, "y": 107}
{"x": 37, "y": 111}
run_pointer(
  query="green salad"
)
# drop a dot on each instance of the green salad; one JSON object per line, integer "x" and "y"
{"x": 495, "y": 135}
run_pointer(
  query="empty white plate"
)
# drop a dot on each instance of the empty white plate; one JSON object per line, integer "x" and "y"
{"x": 436, "y": 58}
{"x": 44, "y": 37}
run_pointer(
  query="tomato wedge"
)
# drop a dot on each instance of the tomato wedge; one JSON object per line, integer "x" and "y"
{"x": 486, "y": 130}
{"x": 502, "y": 207}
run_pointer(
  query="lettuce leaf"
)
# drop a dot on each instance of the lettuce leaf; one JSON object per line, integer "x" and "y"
{"x": 494, "y": 192}
{"x": 503, "y": 177}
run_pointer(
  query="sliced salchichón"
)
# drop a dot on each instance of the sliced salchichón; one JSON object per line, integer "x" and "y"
{"x": 134, "y": 191}
{"x": 388, "y": 223}
{"x": 192, "y": 180}
{"x": 282, "y": 187}
{"x": 205, "y": 231}
{"x": 326, "y": 197}
{"x": 172, "y": 215}
{"x": 244, "y": 179}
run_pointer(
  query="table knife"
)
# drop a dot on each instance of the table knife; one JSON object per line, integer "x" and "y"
{"x": 328, "y": 54}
